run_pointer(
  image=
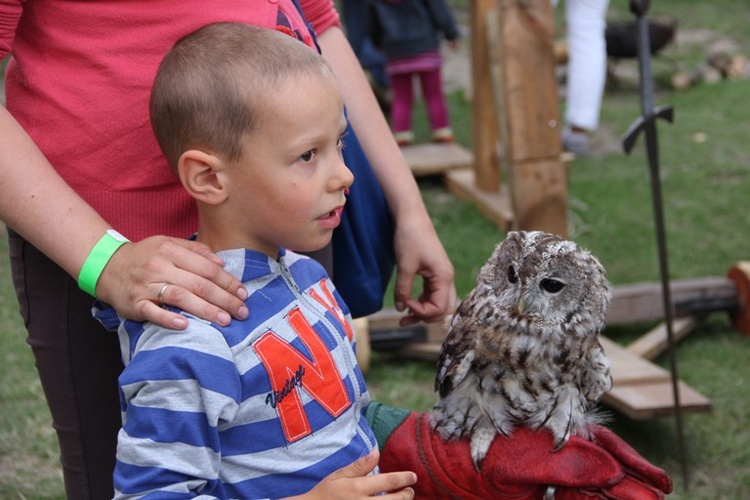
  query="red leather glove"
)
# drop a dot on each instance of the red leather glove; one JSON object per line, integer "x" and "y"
{"x": 642, "y": 480}
{"x": 521, "y": 467}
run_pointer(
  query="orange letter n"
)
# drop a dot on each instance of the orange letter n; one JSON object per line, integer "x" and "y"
{"x": 288, "y": 370}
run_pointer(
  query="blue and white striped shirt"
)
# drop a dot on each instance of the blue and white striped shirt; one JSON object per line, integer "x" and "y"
{"x": 265, "y": 407}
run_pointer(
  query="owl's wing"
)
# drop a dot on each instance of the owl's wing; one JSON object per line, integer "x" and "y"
{"x": 457, "y": 352}
{"x": 596, "y": 377}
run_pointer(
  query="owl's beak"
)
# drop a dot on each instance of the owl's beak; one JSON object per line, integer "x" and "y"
{"x": 521, "y": 306}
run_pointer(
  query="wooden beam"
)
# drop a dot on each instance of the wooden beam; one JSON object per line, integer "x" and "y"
{"x": 484, "y": 123}
{"x": 539, "y": 195}
{"x": 628, "y": 368}
{"x": 656, "y": 341}
{"x": 654, "y": 399}
{"x": 529, "y": 88}
{"x": 643, "y": 301}
{"x": 523, "y": 72}
{"x": 494, "y": 205}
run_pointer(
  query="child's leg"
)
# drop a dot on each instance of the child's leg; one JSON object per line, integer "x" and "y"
{"x": 437, "y": 109}
{"x": 403, "y": 97}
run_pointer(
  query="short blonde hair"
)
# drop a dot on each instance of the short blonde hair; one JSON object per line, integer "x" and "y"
{"x": 208, "y": 91}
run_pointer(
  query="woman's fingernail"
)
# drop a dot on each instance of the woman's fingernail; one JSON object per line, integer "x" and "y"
{"x": 242, "y": 293}
{"x": 242, "y": 313}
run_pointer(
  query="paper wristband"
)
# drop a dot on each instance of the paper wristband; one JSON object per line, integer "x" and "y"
{"x": 97, "y": 259}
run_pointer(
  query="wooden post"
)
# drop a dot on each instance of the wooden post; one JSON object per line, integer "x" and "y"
{"x": 516, "y": 118}
{"x": 527, "y": 98}
{"x": 484, "y": 124}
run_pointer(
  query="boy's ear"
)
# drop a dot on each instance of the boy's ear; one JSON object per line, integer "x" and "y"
{"x": 201, "y": 175}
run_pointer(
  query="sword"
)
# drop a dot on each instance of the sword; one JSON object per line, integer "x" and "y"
{"x": 646, "y": 124}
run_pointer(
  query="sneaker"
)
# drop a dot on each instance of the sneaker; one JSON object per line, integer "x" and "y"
{"x": 575, "y": 142}
{"x": 442, "y": 135}
{"x": 404, "y": 138}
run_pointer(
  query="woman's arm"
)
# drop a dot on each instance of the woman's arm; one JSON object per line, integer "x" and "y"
{"x": 418, "y": 248}
{"x": 38, "y": 204}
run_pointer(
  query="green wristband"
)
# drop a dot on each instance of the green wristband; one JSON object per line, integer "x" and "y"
{"x": 92, "y": 268}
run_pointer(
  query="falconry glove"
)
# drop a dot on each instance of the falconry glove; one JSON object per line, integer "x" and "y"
{"x": 519, "y": 467}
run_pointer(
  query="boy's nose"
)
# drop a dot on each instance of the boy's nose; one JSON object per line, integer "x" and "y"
{"x": 345, "y": 175}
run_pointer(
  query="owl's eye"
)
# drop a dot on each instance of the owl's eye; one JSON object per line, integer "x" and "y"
{"x": 512, "y": 276}
{"x": 551, "y": 286}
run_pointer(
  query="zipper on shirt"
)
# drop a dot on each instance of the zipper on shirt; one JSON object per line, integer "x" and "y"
{"x": 311, "y": 305}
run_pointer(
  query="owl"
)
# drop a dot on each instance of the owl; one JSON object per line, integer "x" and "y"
{"x": 523, "y": 347}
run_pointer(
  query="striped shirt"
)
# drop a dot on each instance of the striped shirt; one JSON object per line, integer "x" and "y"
{"x": 265, "y": 407}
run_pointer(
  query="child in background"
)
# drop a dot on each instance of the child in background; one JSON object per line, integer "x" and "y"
{"x": 409, "y": 33}
{"x": 251, "y": 120}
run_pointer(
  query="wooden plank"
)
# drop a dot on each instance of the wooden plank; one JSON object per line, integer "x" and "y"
{"x": 484, "y": 122}
{"x": 643, "y": 301}
{"x": 494, "y": 205}
{"x": 434, "y": 158}
{"x": 654, "y": 399}
{"x": 628, "y": 368}
{"x": 656, "y": 341}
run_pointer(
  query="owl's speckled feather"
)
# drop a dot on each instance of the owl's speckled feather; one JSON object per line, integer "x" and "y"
{"x": 523, "y": 348}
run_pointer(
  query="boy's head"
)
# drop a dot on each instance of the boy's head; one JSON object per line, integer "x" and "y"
{"x": 251, "y": 120}
{"x": 211, "y": 86}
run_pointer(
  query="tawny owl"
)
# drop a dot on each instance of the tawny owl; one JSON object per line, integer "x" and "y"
{"x": 523, "y": 347}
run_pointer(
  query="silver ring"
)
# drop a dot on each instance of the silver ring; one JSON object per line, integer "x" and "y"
{"x": 160, "y": 295}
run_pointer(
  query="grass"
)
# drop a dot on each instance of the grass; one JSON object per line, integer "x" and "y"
{"x": 705, "y": 159}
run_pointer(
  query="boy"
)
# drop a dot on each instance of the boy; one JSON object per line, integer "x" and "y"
{"x": 275, "y": 405}
{"x": 251, "y": 120}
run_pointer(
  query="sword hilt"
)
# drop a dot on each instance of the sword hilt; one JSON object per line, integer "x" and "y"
{"x": 630, "y": 137}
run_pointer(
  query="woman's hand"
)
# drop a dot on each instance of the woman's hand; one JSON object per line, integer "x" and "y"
{"x": 420, "y": 253}
{"x": 134, "y": 280}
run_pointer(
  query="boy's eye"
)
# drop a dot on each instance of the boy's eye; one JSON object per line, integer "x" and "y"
{"x": 307, "y": 156}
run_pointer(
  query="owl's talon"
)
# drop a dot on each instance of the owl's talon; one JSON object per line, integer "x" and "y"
{"x": 563, "y": 441}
